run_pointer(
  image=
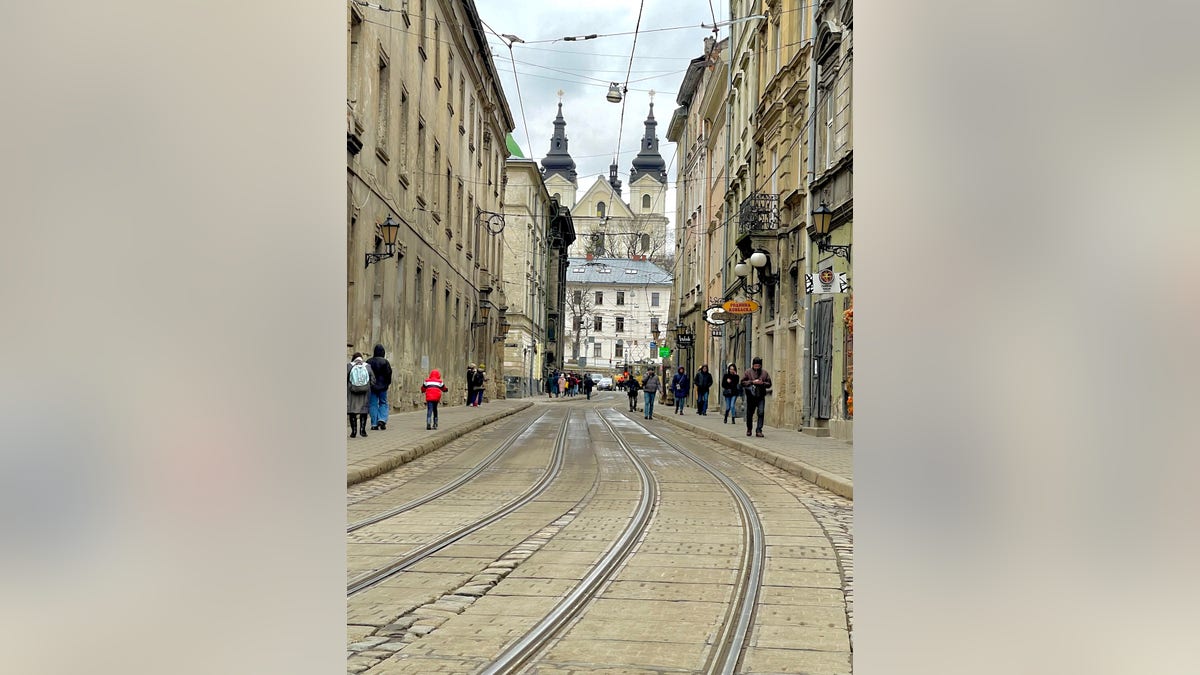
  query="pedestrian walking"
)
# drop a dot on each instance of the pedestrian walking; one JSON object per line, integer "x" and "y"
{"x": 477, "y": 381}
{"x": 631, "y": 390}
{"x": 562, "y": 385}
{"x": 731, "y": 388}
{"x": 551, "y": 384}
{"x": 680, "y": 386}
{"x": 756, "y": 383}
{"x": 378, "y": 400}
{"x": 470, "y": 380}
{"x": 704, "y": 381}
{"x": 433, "y": 388}
{"x": 587, "y": 386}
{"x": 359, "y": 379}
{"x": 650, "y": 389}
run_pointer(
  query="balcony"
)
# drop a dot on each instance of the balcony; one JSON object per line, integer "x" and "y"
{"x": 758, "y": 213}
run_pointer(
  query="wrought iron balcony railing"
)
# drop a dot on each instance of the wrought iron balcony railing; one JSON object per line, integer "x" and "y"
{"x": 758, "y": 212}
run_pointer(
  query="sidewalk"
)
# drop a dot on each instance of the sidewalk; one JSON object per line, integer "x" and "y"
{"x": 406, "y": 438}
{"x": 826, "y": 462}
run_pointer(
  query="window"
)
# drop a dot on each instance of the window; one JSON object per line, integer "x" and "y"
{"x": 355, "y": 59}
{"x": 424, "y": 33}
{"x": 598, "y": 324}
{"x": 578, "y": 323}
{"x": 403, "y": 130}
{"x": 596, "y": 350}
{"x": 437, "y": 54}
{"x": 437, "y": 167}
{"x": 654, "y": 299}
{"x": 599, "y": 298}
{"x": 620, "y": 297}
{"x": 654, "y": 324}
{"x": 619, "y": 350}
{"x": 620, "y": 324}
{"x": 646, "y": 202}
{"x": 421, "y": 160}
{"x": 578, "y": 297}
{"x": 600, "y": 209}
{"x": 418, "y": 296}
{"x": 384, "y": 118}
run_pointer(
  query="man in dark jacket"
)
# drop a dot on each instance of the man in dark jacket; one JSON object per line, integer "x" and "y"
{"x": 588, "y": 383}
{"x": 704, "y": 382}
{"x": 756, "y": 383}
{"x": 378, "y": 401}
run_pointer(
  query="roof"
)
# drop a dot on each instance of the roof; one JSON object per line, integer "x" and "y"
{"x": 584, "y": 271}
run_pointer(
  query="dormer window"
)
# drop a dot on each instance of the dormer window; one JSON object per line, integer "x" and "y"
{"x": 600, "y": 209}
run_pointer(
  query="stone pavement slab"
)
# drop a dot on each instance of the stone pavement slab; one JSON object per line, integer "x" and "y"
{"x": 405, "y": 438}
{"x": 826, "y": 462}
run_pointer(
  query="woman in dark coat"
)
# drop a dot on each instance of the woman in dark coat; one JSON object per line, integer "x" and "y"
{"x": 680, "y": 386}
{"x": 731, "y": 387}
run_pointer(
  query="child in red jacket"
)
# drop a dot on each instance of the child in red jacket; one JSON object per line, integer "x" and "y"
{"x": 433, "y": 388}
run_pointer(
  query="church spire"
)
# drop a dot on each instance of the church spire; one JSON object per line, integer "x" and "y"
{"x": 612, "y": 177}
{"x": 648, "y": 161}
{"x": 558, "y": 160}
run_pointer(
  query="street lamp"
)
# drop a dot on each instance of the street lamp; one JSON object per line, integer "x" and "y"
{"x": 743, "y": 270}
{"x": 388, "y": 231}
{"x": 485, "y": 308}
{"x": 615, "y": 93}
{"x": 821, "y": 217}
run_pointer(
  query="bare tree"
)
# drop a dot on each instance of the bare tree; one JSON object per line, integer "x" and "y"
{"x": 579, "y": 313}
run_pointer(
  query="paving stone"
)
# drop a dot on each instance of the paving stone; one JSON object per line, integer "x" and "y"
{"x": 367, "y": 643}
{"x": 474, "y": 591}
{"x": 422, "y": 629}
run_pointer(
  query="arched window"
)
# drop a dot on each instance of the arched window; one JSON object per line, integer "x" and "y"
{"x": 600, "y": 209}
{"x": 645, "y": 201}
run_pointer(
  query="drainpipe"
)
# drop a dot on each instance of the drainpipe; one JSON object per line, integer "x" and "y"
{"x": 807, "y": 417}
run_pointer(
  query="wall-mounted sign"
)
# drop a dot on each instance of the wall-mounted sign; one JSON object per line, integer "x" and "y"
{"x": 826, "y": 281}
{"x": 718, "y": 331}
{"x": 685, "y": 340}
{"x": 664, "y": 352}
{"x": 716, "y": 315}
{"x": 740, "y": 307}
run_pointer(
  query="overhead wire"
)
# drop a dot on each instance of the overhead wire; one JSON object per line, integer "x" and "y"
{"x": 625, "y": 99}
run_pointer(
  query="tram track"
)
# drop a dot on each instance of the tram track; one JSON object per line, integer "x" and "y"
{"x": 536, "y": 639}
{"x": 451, "y": 486}
{"x": 369, "y": 580}
{"x": 731, "y": 640}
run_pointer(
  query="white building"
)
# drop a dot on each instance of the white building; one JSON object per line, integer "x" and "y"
{"x": 613, "y": 307}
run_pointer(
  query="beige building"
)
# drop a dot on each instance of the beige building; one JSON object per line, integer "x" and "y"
{"x": 831, "y": 162}
{"x": 426, "y": 123}
{"x": 528, "y": 211}
{"x": 606, "y": 225}
{"x": 697, "y": 127}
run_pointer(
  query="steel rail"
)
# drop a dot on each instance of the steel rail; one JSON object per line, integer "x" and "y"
{"x": 731, "y": 641}
{"x": 533, "y": 641}
{"x": 368, "y": 580}
{"x": 451, "y": 486}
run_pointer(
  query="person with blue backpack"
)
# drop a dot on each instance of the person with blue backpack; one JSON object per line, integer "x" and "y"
{"x": 359, "y": 379}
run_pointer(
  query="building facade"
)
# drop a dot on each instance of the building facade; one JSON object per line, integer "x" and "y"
{"x": 606, "y": 224}
{"x": 697, "y": 128}
{"x": 527, "y": 211}
{"x": 613, "y": 308}
{"x": 831, "y": 160}
{"x": 426, "y": 123}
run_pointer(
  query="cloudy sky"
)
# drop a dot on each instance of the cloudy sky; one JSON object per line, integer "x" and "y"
{"x": 583, "y": 69}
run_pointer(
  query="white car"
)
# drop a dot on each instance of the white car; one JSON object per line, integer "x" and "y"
{"x": 605, "y": 384}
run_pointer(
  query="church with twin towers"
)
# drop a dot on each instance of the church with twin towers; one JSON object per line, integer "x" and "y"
{"x": 606, "y": 225}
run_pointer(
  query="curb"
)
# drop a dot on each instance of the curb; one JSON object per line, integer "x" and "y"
{"x": 820, "y": 478}
{"x": 406, "y": 455}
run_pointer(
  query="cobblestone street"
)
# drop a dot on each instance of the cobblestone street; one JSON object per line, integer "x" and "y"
{"x": 661, "y": 604}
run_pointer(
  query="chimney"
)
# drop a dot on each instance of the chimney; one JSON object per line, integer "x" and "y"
{"x": 589, "y": 256}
